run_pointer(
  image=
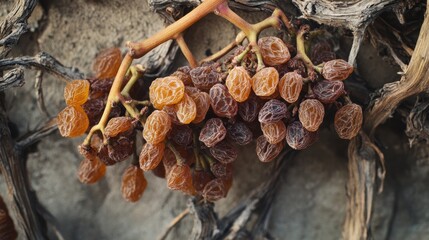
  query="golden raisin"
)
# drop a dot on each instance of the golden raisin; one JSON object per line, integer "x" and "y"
{"x": 156, "y": 127}
{"x": 274, "y": 132}
{"x": 186, "y": 109}
{"x": 290, "y": 86}
{"x": 118, "y": 125}
{"x": 91, "y": 170}
{"x": 238, "y": 84}
{"x": 151, "y": 156}
{"x": 274, "y": 51}
{"x": 107, "y": 63}
{"x": 264, "y": 82}
{"x": 72, "y": 121}
{"x": 336, "y": 69}
{"x": 166, "y": 91}
{"x": 311, "y": 113}
{"x": 133, "y": 183}
{"x": 180, "y": 178}
{"x": 202, "y": 102}
{"x": 76, "y": 92}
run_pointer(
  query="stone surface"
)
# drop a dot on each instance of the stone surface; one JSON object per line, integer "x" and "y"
{"x": 310, "y": 203}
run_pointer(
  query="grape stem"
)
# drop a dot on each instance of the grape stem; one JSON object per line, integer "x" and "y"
{"x": 179, "y": 159}
{"x": 249, "y": 31}
{"x": 137, "y": 50}
{"x": 300, "y": 48}
{"x": 186, "y": 51}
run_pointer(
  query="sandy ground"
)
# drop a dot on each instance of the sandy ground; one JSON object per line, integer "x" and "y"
{"x": 311, "y": 200}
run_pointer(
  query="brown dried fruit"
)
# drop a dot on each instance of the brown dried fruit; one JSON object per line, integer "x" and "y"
{"x": 133, "y": 184}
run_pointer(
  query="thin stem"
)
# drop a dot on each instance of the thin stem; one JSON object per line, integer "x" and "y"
{"x": 111, "y": 99}
{"x": 139, "y": 49}
{"x": 179, "y": 159}
{"x": 220, "y": 53}
{"x": 186, "y": 51}
{"x": 224, "y": 11}
{"x": 300, "y": 48}
{"x": 173, "y": 223}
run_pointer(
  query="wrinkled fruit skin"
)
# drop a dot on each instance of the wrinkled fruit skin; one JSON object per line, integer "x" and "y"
{"x": 273, "y": 111}
{"x": 266, "y": 151}
{"x": 239, "y": 84}
{"x": 151, "y": 156}
{"x": 274, "y": 51}
{"x": 118, "y": 125}
{"x": 224, "y": 152}
{"x": 72, "y": 121}
{"x": 202, "y": 103}
{"x": 186, "y": 110}
{"x": 264, "y": 82}
{"x": 239, "y": 133}
{"x": 107, "y": 63}
{"x": 348, "y": 121}
{"x": 214, "y": 190}
{"x": 249, "y": 109}
{"x": 204, "y": 77}
{"x": 298, "y": 138}
{"x": 223, "y": 104}
{"x": 337, "y": 69}
{"x": 290, "y": 86}
{"x": 310, "y": 114}
{"x": 91, "y": 170}
{"x": 274, "y": 132}
{"x": 76, "y": 92}
{"x": 133, "y": 184}
{"x": 180, "y": 178}
{"x": 166, "y": 91}
{"x": 157, "y": 126}
{"x": 328, "y": 91}
{"x": 213, "y": 132}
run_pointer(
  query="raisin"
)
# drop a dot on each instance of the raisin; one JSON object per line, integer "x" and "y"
{"x": 322, "y": 52}
{"x": 186, "y": 109}
{"x": 181, "y": 135}
{"x": 239, "y": 133}
{"x": 183, "y": 74}
{"x": 223, "y": 104}
{"x": 172, "y": 113}
{"x": 274, "y": 132}
{"x": 100, "y": 87}
{"x": 265, "y": 81}
{"x": 133, "y": 184}
{"x": 328, "y": 91}
{"x": 157, "y": 126}
{"x": 151, "y": 156}
{"x": 72, "y": 121}
{"x": 298, "y": 138}
{"x": 166, "y": 91}
{"x": 214, "y": 190}
{"x": 266, "y": 151}
{"x": 94, "y": 110}
{"x": 205, "y": 77}
{"x": 213, "y": 132}
{"x": 76, "y": 92}
{"x": 239, "y": 84}
{"x": 179, "y": 177}
{"x": 348, "y": 121}
{"x": 249, "y": 109}
{"x": 118, "y": 125}
{"x": 91, "y": 170}
{"x": 202, "y": 102}
{"x": 310, "y": 114}
{"x": 121, "y": 147}
{"x": 337, "y": 69}
{"x": 159, "y": 171}
{"x": 224, "y": 152}
{"x": 274, "y": 51}
{"x": 221, "y": 170}
{"x": 107, "y": 63}
{"x": 290, "y": 86}
{"x": 273, "y": 111}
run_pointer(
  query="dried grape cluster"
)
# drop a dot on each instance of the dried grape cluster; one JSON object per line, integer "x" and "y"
{"x": 191, "y": 121}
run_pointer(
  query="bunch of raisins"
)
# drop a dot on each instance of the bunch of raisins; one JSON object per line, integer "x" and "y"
{"x": 199, "y": 115}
